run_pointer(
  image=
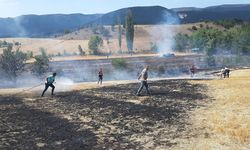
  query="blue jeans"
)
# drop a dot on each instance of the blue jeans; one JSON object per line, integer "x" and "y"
{"x": 143, "y": 83}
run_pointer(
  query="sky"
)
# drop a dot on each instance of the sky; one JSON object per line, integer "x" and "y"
{"x": 13, "y": 8}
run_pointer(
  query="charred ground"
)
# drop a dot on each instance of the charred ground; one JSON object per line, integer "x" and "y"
{"x": 104, "y": 118}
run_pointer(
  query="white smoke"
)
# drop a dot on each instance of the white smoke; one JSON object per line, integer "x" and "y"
{"x": 20, "y": 29}
{"x": 163, "y": 34}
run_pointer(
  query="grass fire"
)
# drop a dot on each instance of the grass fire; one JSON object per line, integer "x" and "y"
{"x": 144, "y": 77}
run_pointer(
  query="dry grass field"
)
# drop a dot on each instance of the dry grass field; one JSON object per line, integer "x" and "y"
{"x": 225, "y": 122}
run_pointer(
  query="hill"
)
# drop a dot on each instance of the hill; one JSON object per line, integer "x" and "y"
{"x": 192, "y": 15}
{"x": 48, "y": 25}
{"x": 54, "y": 24}
{"x": 142, "y": 16}
{"x": 42, "y": 25}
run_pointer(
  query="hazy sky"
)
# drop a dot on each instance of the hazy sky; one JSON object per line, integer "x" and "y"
{"x": 12, "y": 8}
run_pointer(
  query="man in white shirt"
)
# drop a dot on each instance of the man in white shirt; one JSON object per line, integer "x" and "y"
{"x": 143, "y": 78}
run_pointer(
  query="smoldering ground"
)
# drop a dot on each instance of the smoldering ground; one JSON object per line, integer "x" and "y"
{"x": 104, "y": 118}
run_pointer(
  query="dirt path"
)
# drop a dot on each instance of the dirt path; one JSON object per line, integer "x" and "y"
{"x": 102, "y": 118}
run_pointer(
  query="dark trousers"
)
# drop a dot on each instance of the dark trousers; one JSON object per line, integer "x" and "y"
{"x": 47, "y": 85}
{"x": 143, "y": 83}
{"x": 227, "y": 73}
{"x": 100, "y": 79}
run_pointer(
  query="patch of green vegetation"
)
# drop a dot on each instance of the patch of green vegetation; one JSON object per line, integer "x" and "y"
{"x": 12, "y": 62}
{"x": 94, "y": 44}
{"x": 119, "y": 63}
{"x": 213, "y": 41}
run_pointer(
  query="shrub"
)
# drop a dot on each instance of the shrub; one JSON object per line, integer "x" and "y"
{"x": 12, "y": 62}
{"x": 119, "y": 63}
{"x": 41, "y": 64}
{"x": 194, "y": 28}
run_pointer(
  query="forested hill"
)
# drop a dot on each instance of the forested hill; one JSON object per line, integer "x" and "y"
{"x": 51, "y": 24}
{"x": 192, "y": 15}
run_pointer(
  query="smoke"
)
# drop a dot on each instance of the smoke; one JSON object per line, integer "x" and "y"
{"x": 163, "y": 34}
{"x": 21, "y": 32}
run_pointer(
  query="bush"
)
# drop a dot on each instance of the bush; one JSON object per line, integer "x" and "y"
{"x": 227, "y": 23}
{"x": 194, "y": 28}
{"x": 119, "y": 63}
{"x": 41, "y": 64}
{"x": 12, "y": 62}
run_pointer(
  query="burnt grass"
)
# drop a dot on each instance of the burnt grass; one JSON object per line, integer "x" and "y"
{"x": 104, "y": 118}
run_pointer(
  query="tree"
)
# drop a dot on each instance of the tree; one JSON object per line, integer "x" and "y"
{"x": 182, "y": 42}
{"x": 119, "y": 33}
{"x": 94, "y": 43}
{"x": 129, "y": 24}
{"x": 208, "y": 40}
{"x": 12, "y": 62}
{"x": 41, "y": 64}
{"x": 242, "y": 40}
{"x": 82, "y": 53}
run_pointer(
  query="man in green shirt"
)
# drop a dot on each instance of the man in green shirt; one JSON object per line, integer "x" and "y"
{"x": 49, "y": 83}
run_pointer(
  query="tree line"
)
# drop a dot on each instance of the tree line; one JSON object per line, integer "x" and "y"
{"x": 234, "y": 40}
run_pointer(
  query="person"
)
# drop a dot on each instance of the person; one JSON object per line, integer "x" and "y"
{"x": 49, "y": 83}
{"x": 143, "y": 77}
{"x": 100, "y": 76}
{"x": 227, "y": 71}
{"x": 192, "y": 70}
